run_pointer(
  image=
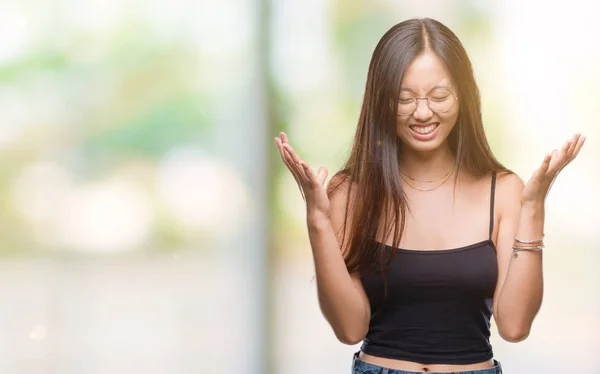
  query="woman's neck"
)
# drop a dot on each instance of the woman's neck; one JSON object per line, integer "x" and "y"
{"x": 427, "y": 165}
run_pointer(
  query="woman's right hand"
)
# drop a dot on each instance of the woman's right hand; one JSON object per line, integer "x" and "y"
{"x": 312, "y": 186}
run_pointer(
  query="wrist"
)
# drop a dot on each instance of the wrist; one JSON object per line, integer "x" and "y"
{"x": 532, "y": 206}
{"x": 317, "y": 220}
{"x": 532, "y": 213}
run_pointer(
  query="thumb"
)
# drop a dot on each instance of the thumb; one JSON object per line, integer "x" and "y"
{"x": 540, "y": 171}
{"x": 322, "y": 175}
{"x": 546, "y": 162}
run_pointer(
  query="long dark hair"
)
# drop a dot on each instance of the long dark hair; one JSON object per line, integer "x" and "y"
{"x": 372, "y": 170}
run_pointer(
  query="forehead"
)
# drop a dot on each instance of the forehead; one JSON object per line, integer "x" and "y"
{"x": 425, "y": 72}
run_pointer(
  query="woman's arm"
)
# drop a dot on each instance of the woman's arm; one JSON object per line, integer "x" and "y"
{"x": 519, "y": 290}
{"x": 341, "y": 295}
{"x": 518, "y": 295}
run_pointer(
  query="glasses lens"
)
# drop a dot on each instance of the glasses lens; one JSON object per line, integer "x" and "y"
{"x": 406, "y": 104}
{"x": 441, "y": 100}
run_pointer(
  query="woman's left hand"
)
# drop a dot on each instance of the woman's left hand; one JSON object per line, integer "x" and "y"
{"x": 539, "y": 184}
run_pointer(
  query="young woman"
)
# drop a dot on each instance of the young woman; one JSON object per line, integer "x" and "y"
{"x": 424, "y": 235}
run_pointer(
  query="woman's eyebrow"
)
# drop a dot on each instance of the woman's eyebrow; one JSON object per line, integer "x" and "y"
{"x": 406, "y": 89}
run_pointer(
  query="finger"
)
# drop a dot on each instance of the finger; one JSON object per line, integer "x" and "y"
{"x": 296, "y": 165}
{"x": 546, "y": 162}
{"x": 565, "y": 155}
{"x": 294, "y": 168}
{"x": 300, "y": 179}
{"x": 285, "y": 143}
{"x": 322, "y": 175}
{"x": 553, "y": 163}
{"x": 295, "y": 158}
{"x": 288, "y": 163}
{"x": 578, "y": 146}
{"x": 565, "y": 148}
{"x": 285, "y": 159}
{"x": 318, "y": 179}
{"x": 278, "y": 143}
{"x": 280, "y": 149}
{"x": 571, "y": 151}
{"x": 573, "y": 144}
{"x": 310, "y": 175}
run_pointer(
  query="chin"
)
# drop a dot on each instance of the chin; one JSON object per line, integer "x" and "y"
{"x": 423, "y": 148}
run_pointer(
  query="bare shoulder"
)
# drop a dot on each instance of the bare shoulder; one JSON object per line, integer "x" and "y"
{"x": 509, "y": 180}
{"x": 341, "y": 191}
{"x": 509, "y": 187}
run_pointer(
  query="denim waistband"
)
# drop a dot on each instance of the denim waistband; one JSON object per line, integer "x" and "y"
{"x": 362, "y": 367}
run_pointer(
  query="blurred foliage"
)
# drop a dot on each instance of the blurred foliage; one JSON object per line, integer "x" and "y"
{"x": 42, "y": 60}
{"x": 151, "y": 132}
{"x": 131, "y": 94}
{"x": 355, "y": 33}
{"x": 128, "y": 96}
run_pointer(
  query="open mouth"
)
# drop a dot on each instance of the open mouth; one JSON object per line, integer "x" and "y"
{"x": 424, "y": 130}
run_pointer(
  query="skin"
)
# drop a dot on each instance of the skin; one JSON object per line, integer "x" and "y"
{"x": 440, "y": 219}
{"x": 424, "y": 74}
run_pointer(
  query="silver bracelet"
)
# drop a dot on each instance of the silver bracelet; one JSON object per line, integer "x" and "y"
{"x": 534, "y": 248}
{"x": 517, "y": 249}
{"x": 530, "y": 241}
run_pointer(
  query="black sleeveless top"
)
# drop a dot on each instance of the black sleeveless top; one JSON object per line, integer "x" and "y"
{"x": 438, "y": 305}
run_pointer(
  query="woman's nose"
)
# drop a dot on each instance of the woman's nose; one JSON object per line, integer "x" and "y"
{"x": 423, "y": 112}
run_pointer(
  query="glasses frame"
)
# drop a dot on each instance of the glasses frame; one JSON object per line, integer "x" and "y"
{"x": 416, "y": 101}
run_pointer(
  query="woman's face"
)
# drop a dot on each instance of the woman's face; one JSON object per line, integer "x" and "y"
{"x": 420, "y": 126}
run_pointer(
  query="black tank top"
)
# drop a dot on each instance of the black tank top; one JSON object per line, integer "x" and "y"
{"x": 438, "y": 305}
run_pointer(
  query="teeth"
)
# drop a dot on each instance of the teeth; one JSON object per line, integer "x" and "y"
{"x": 423, "y": 130}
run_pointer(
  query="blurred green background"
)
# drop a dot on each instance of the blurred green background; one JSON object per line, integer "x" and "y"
{"x": 148, "y": 224}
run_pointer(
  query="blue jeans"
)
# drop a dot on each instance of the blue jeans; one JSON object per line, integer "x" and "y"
{"x": 362, "y": 367}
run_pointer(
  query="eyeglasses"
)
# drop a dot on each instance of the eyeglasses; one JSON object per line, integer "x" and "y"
{"x": 440, "y": 100}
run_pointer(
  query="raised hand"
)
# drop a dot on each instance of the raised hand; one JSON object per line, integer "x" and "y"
{"x": 539, "y": 184}
{"x": 312, "y": 186}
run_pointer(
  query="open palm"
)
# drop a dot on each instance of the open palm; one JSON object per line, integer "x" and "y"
{"x": 311, "y": 185}
{"x": 540, "y": 182}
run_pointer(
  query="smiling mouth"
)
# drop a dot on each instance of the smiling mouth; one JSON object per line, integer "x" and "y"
{"x": 424, "y": 129}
